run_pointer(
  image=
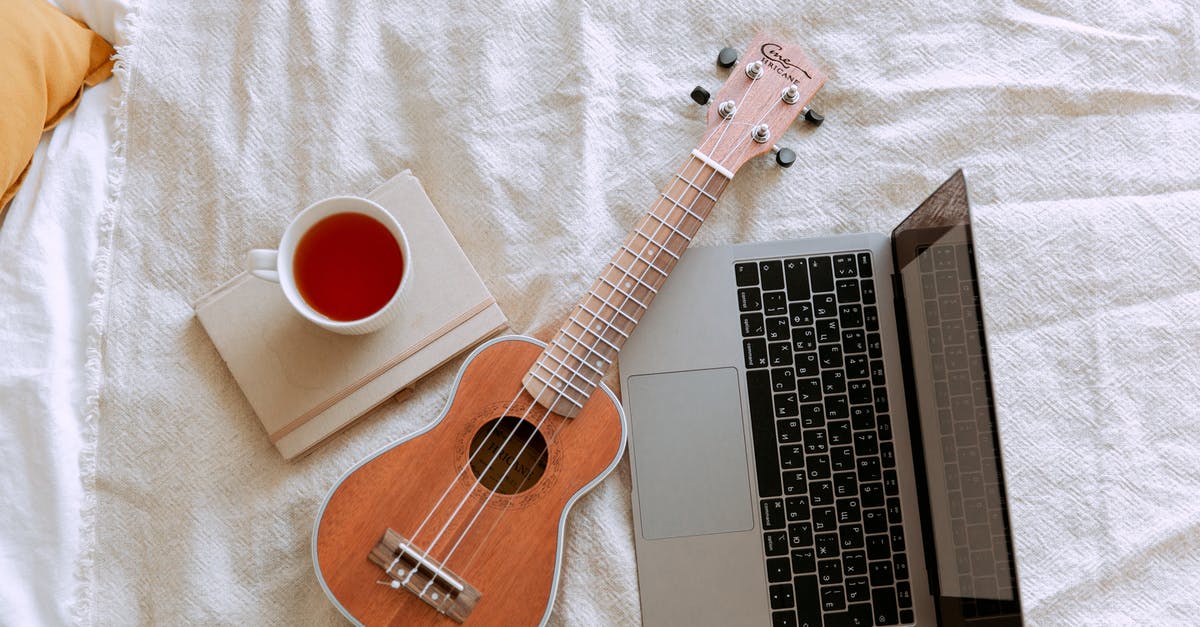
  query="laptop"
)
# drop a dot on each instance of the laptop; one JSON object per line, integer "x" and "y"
{"x": 813, "y": 436}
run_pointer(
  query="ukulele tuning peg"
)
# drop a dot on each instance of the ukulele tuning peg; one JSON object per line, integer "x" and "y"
{"x": 785, "y": 157}
{"x": 812, "y": 117}
{"x": 701, "y": 95}
{"x": 727, "y": 57}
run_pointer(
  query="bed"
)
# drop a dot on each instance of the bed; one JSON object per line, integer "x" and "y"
{"x": 139, "y": 488}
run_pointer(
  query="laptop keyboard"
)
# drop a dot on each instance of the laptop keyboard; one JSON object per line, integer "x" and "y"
{"x": 969, "y": 445}
{"x": 834, "y": 545}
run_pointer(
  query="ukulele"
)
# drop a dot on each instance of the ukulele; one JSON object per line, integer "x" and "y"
{"x": 463, "y": 521}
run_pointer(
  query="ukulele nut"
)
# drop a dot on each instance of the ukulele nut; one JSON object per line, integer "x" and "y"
{"x": 727, "y": 109}
{"x": 754, "y": 70}
{"x": 761, "y": 133}
{"x": 791, "y": 94}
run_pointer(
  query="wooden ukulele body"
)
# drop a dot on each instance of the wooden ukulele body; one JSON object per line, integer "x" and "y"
{"x": 511, "y": 552}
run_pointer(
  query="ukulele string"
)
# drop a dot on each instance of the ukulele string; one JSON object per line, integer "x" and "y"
{"x": 551, "y": 440}
{"x": 562, "y": 394}
{"x": 537, "y": 429}
{"x": 488, "y": 437}
{"x": 554, "y": 435}
{"x": 495, "y": 456}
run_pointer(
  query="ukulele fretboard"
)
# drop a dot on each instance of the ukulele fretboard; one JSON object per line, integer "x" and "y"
{"x": 585, "y": 347}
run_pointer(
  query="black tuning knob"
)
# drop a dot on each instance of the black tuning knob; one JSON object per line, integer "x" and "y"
{"x": 701, "y": 95}
{"x": 727, "y": 57}
{"x": 813, "y": 117}
{"x": 785, "y": 157}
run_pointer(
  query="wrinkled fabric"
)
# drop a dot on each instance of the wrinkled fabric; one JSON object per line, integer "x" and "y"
{"x": 541, "y": 131}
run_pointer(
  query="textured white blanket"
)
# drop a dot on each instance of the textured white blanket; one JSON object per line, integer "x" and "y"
{"x": 541, "y": 130}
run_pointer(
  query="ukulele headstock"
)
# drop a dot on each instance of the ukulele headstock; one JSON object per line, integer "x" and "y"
{"x": 768, "y": 87}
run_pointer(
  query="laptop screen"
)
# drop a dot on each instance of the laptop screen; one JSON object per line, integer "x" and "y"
{"x": 950, "y": 380}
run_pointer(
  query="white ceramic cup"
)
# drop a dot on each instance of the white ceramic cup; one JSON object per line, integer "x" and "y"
{"x": 276, "y": 265}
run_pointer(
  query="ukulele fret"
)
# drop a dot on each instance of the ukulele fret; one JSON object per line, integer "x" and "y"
{"x": 563, "y": 364}
{"x": 592, "y": 348}
{"x": 607, "y": 321}
{"x": 583, "y": 362}
{"x": 686, "y": 210}
{"x": 550, "y": 386}
{"x": 686, "y": 239}
{"x": 617, "y": 289}
{"x": 693, "y": 185}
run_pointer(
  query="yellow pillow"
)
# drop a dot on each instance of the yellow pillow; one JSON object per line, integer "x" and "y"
{"x": 45, "y": 60}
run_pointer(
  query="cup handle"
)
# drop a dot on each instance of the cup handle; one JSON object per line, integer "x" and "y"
{"x": 262, "y": 264}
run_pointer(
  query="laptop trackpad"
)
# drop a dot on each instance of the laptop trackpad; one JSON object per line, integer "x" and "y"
{"x": 689, "y": 453}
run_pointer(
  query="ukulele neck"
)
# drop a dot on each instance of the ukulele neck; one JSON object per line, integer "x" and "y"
{"x": 575, "y": 361}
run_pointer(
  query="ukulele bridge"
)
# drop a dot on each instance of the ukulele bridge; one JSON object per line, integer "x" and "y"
{"x": 434, "y": 584}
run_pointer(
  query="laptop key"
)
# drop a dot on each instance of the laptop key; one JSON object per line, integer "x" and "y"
{"x": 779, "y": 569}
{"x": 800, "y": 314}
{"x": 746, "y": 273}
{"x": 800, "y": 535}
{"x": 755, "y": 353}
{"x": 844, "y": 266}
{"x": 833, "y": 598}
{"x": 781, "y": 596}
{"x": 846, "y": 290}
{"x": 824, "y": 519}
{"x": 783, "y": 379}
{"x": 789, "y": 430}
{"x": 825, "y": 306}
{"x": 770, "y": 275}
{"x": 871, "y": 318}
{"x": 752, "y": 325}
{"x": 851, "y": 537}
{"x": 860, "y": 614}
{"x": 822, "y": 493}
{"x": 791, "y": 457}
{"x": 904, "y": 594}
{"x": 820, "y": 272}
{"x": 749, "y": 299}
{"x": 796, "y": 508}
{"x": 780, "y": 353}
{"x": 808, "y": 600}
{"x": 900, "y": 566}
{"x": 804, "y": 560}
{"x": 795, "y": 274}
{"x": 883, "y": 602}
{"x": 858, "y": 589}
{"x": 871, "y": 493}
{"x": 875, "y": 520}
{"x": 762, "y": 430}
{"x": 777, "y": 329}
{"x": 772, "y": 515}
{"x": 786, "y": 405}
{"x": 864, "y": 265}
{"x": 881, "y": 574}
{"x": 775, "y": 543}
{"x": 783, "y": 618}
{"x": 827, "y": 545}
{"x": 829, "y": 571}
{"x": 878, "y": 547}
{"x": 794, "y": 483}
{"x": 854, "y": 563}
{"x": 818, "y": 467}
{"x": 775, "y": 303}
{"x": 867, "y": 291}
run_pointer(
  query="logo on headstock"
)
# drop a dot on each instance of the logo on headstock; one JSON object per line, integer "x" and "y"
{"x": 774, "y": 52}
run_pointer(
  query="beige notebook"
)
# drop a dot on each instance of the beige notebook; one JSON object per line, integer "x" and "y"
{"x": 306, "y": 383}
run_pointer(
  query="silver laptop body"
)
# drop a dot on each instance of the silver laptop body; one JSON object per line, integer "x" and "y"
{"x": 736, "y": 449}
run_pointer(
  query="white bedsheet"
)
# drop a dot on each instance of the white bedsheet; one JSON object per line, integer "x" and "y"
{"x": 541, "y": 131}
{"x": 47, "y": 249}
{"x": 48, "y": 245}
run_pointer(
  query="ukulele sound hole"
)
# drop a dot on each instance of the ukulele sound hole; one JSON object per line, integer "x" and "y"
{"x": 514, "y": 470}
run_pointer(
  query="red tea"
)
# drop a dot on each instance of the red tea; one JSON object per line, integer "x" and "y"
{"x": 347, "y": 266}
